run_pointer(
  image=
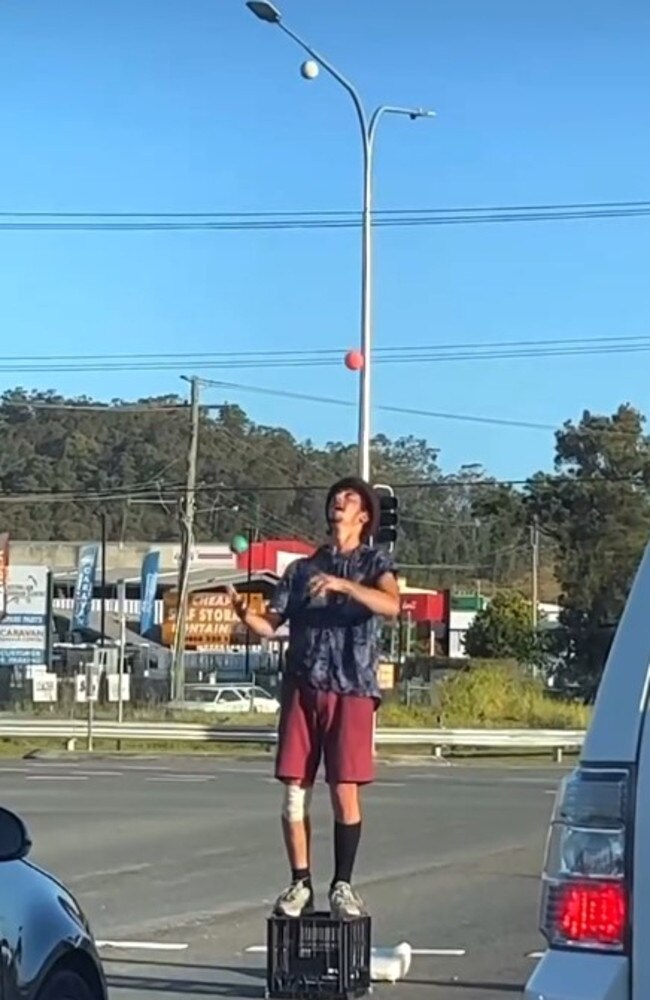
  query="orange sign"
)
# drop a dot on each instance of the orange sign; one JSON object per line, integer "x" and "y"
{"x": 210, "y": 619}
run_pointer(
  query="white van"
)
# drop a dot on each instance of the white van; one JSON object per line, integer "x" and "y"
{"x": 595, "y": 908}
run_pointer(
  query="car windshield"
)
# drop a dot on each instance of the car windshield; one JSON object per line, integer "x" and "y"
{"x": 261, "y": 693}
{"x": 199, "y": 695}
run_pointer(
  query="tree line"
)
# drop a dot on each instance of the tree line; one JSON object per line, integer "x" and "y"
{"x": 594, "y": 510}
{"x": 128, "y": 461}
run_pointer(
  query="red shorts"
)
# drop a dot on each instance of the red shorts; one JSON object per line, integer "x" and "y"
{"x": 338, "y": 727}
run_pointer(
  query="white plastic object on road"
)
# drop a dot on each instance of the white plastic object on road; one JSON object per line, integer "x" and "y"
{"x": 390, "y": 964}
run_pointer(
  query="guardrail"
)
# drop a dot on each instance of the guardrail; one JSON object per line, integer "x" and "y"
{"x": 71, "y": 730}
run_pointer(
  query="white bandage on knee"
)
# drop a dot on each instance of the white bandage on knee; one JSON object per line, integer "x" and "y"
{"x": 295, "y": 806}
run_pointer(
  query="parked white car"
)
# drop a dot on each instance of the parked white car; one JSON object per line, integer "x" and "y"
{"x": 229, "y": 698}
{"x": 595, "y": 909}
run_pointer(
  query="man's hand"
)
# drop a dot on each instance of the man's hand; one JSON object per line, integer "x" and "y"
{"x": 323, "y": 583}
{"x": 264, "y": 625}
{"x": 237, "y": 602}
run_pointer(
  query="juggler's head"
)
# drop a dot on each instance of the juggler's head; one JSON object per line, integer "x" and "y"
{"x": 352, "y": 506}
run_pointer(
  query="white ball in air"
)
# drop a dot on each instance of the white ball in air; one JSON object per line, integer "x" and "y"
{"x": 309, "y": 69}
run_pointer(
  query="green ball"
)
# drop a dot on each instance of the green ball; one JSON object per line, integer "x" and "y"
{"x": 239, "y": 544}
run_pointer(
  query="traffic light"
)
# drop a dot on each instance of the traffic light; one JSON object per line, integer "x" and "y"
{"x": 387, "y": 532}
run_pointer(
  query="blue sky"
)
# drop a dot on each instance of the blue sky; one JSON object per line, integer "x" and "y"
{"x": 193, "y": 105}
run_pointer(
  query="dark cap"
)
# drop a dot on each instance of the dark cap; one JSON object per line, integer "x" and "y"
{"x": 369, "y": 499}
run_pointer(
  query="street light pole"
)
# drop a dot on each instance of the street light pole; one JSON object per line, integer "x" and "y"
{"x": 368, "y": 126}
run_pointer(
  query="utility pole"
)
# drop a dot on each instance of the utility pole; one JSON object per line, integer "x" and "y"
{"x": 187, "y": 512}
{"x": 534, "y": 541}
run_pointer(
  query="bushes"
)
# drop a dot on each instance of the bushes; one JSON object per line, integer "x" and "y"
{"x": 501, "y": 695}
{"x": 425, "y": 667}
{"x": 492, "y": 694}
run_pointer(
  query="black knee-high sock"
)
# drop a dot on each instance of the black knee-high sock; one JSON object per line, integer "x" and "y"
{"x": 301, "y": 875}
{"x": 346, "y": 844}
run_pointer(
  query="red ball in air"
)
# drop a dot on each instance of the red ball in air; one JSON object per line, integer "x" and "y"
{"x": 354, "y": 361}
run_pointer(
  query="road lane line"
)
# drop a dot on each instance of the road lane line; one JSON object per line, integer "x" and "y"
{"x": 183, "y": 779}
{"x": 55, "y": 777}
{"x": 440, "y": 952}
{"x": 260, "y": 949}
{"x": 102, "y": 774}
{"x": 535, "y": 954}
{"x": 530, "y": 780}
{"x": 107, "y": 872}
{"x": 147, "y": 767}
{"x": 143, "y": 945}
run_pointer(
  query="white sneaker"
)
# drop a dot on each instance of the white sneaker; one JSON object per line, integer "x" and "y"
{"x": 345, "y": 902}
{"x": 296, "y": 899}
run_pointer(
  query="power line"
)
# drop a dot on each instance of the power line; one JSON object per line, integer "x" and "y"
{"x": 413, "y": 411}
{"x": 488, "y": 351}
{"x": 308, "y": 213}
{"x": 122, "y": 493}
{"x": 305, "y": 397}
{"x": 329, "y": 351}
{"x": 297, "y": 220}
{"x": 410, "y": 411}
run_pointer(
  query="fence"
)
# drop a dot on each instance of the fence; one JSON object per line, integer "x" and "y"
{"x": 112, "y": 606}
{"x": 68, "y": 731}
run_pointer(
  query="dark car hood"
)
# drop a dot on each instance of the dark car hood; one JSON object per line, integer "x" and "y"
{"x": 42, "y": 924}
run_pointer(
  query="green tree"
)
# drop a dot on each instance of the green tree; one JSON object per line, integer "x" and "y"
{"x": 596, "y": 509}
{"x": 129, "y": 462}
{"x": 504, "y": 630}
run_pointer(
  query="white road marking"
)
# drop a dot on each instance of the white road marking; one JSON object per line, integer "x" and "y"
{"x": 107, "y": 872}
{"x": 143, "y": 945}
{"x": 146, "y": 767}
{"x": 102, "y": 774}
{"x": 184, "y": 779}
{"x": 440, "y": 952}
{"x": 535, "y": 954}
{"x": 530, "y": 780}
{"x": 426, "y": 777}
{"x": 260, "y": 949}
{"x": 55, "y": 777}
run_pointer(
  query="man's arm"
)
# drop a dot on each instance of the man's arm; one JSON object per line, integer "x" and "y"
{"x": 265, "y": 625}
{"x": 382, "y": 598}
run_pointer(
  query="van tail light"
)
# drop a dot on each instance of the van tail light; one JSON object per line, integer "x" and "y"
{"x": 585, "y": 898}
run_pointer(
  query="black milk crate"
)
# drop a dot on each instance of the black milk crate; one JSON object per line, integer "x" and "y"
{"x": 317, "y": 956}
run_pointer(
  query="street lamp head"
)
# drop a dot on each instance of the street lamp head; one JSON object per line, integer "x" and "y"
{"x": 422, "y": 113}
{"x": 265, "y": 11}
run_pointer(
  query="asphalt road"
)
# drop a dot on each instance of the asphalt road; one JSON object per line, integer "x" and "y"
{"x": 185, "y": 855}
